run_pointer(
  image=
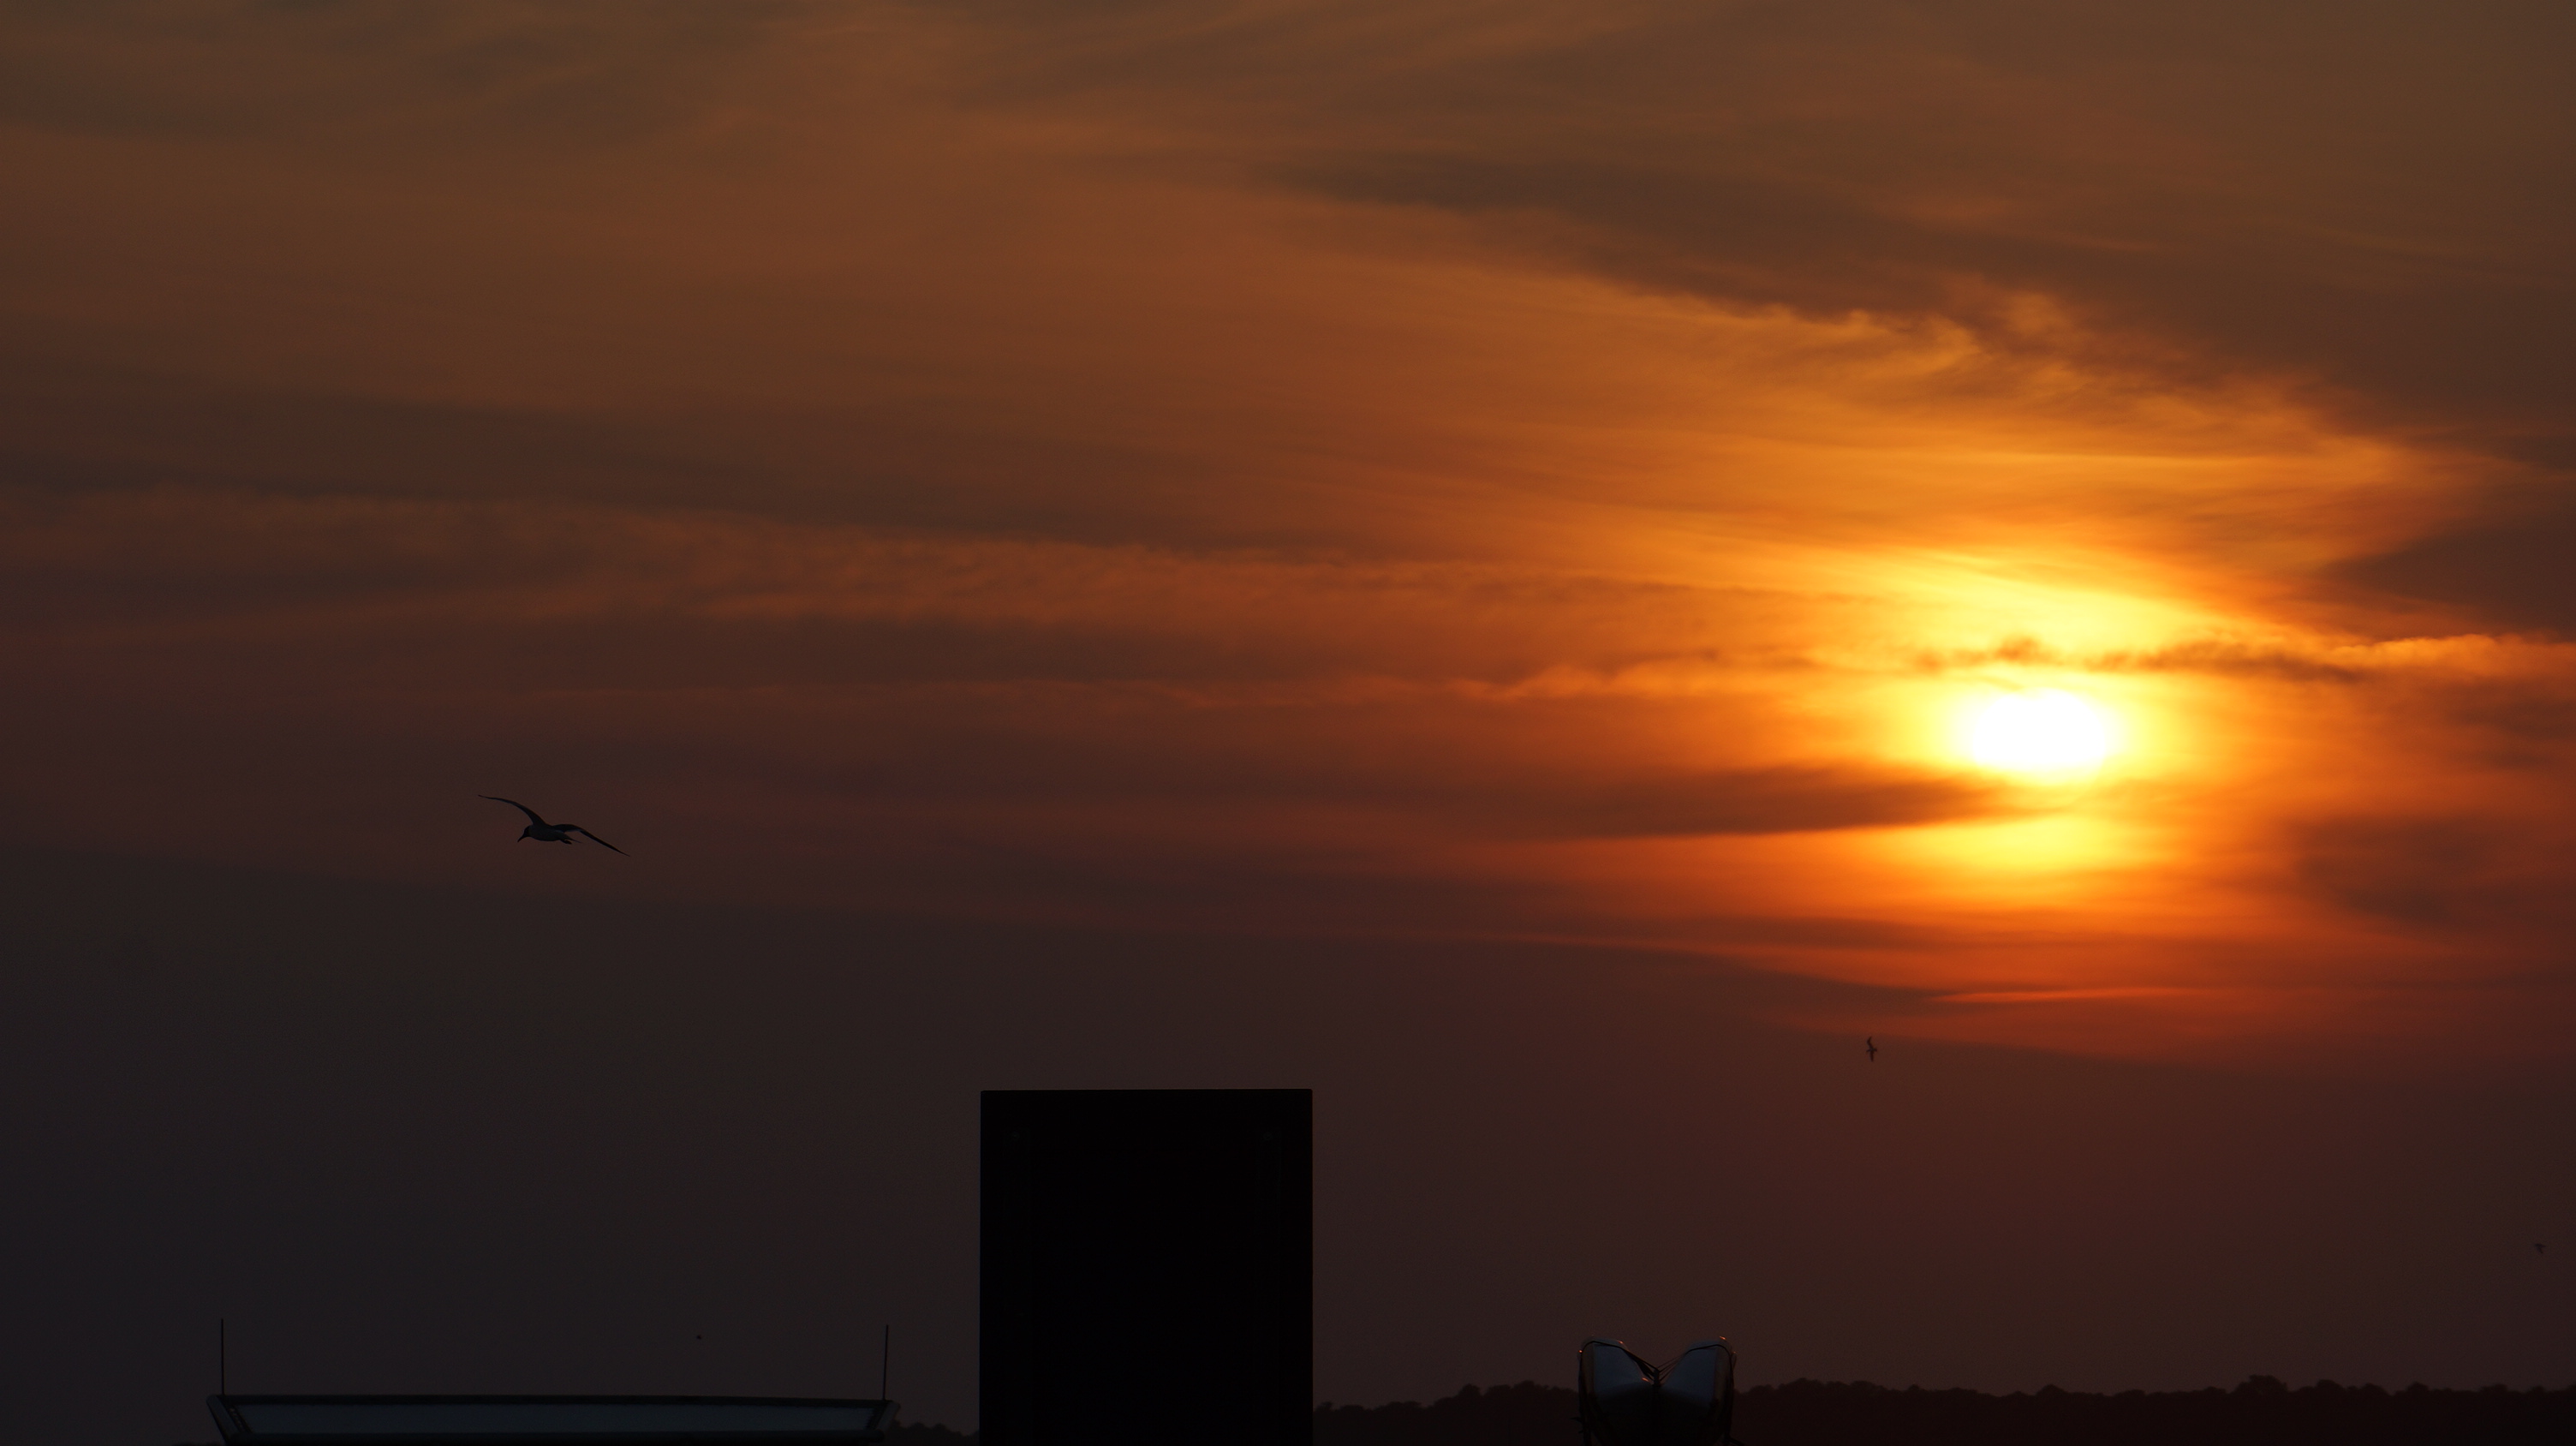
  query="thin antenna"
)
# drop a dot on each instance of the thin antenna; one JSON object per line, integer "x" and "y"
{"x": 885, "y": 1361}
{"x": 223, "y": 1360}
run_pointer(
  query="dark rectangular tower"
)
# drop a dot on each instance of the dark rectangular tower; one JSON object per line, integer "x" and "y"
{"x": 1148, "y": 1272}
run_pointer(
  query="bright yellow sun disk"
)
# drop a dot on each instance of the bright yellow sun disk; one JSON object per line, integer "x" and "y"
{"x": 2040, "y": 732}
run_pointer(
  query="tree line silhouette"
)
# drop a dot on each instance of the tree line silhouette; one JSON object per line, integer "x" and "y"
{"x": 2261, "y": 1411}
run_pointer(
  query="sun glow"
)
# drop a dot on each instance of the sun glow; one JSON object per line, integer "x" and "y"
{"x": 2044, "y": 732}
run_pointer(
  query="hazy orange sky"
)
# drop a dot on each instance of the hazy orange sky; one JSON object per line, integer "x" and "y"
{"x": 1422, "y": 482}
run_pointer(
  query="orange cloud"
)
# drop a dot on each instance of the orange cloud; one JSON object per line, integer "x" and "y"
{"x": 1477, "y": 473}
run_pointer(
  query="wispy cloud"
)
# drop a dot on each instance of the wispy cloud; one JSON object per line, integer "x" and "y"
{"x": 1456, "y": 470}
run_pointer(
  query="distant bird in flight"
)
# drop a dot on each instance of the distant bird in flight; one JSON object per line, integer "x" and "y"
{"x": 1872, "y": 1041}
{"x": 544, "y": 832}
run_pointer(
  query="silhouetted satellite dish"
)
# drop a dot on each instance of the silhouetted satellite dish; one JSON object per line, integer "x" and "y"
{"x": 1687, "y": 1401}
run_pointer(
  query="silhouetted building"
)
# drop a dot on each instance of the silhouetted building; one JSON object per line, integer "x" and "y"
{"x": 1623, "y": 1399}
{"x": 547, "y": 1420}
{"x": 1148, "y": 1268}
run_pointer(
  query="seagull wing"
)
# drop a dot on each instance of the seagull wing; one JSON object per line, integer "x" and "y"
{"x": 521, "y": 807}
{"x": 594, "y": 838}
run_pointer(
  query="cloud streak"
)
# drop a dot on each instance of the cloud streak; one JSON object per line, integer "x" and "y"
{"x": 1465, "y": 471}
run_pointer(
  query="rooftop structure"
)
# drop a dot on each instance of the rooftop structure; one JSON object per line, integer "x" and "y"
{"x": 547, "y": 1420}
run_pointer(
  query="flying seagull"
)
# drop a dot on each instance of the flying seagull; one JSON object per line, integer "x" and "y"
{"x": 1871, "y": 1042}
{"x": 544, "y": 832}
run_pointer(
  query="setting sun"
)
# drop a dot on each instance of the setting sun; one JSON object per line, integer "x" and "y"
{"x": 2042, "y": 732}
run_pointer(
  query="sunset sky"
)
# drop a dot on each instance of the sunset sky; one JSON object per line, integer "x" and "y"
{"x": 1453, "y": 552}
